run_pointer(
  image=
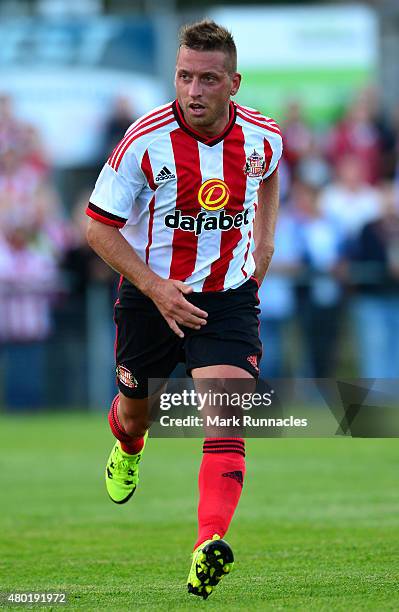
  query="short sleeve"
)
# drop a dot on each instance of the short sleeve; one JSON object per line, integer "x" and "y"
{"x": 273, "y": 147}
{"x": 116, "y": 191}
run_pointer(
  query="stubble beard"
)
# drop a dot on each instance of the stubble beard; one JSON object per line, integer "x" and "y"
{"x": 208, "y": 120}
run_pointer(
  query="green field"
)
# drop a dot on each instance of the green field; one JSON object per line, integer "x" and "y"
{"x": 317, "y": 527}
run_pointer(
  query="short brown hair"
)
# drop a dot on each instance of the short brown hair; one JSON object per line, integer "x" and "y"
{"x": 206, "y": 35}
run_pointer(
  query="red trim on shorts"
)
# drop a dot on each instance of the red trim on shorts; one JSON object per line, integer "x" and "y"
{"x": 257, "y": 297}
{"x": 257, "y": 282}
{"x": 116, "y": 341}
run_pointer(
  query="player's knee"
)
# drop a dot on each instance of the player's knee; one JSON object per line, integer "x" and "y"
{"x": 134, "y": 416}
{"x": 135, "y": 428}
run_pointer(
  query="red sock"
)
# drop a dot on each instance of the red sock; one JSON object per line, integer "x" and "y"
{"x": 128, "y": 444}
{"x": 220, "y": 483}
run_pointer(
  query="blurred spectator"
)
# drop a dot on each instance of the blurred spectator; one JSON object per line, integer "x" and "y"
{"x": 33, "y": 152}
{"x": 357, "y": 135}
{"x": 33, "y": 235}
{"x": 349, "y": 202}
{"x": 375, "y": 308}
{"x": 118, "y": 122}
{"x": 82, "y": 270}
{"x": 396, "y": 130}
{"x": 277, "y": 297}
{"x": 384, "y": 124}
{"x": 10, "y": 127}
{"x": 297, "y": 135}
{"x": 19, "y": 187}
{"x": 22, "y": 137}
{"x": 27, "y": 199}
{"x": 313, "y": 168}
{"x": 284, "y": 181}
{"x": 80, "y": 263}
{"x": 319, "y": 294}
{"x": 28, "y": 281}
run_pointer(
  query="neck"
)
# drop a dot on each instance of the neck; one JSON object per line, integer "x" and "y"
{"x": 212, "y": 130}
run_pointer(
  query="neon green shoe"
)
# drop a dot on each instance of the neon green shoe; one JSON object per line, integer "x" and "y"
{"x": 212, "y": 560}
{"x": 122, "y": 473}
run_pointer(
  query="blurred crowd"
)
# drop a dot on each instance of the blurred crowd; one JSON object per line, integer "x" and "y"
{"x": 330, "y": 305}
{"x": 333, "y": 286}
{"x": 33, "y": 235}
{"x": 45, "y": 267}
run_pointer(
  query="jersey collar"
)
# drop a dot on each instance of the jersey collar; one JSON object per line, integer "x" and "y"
{"x": 178, "y": 113}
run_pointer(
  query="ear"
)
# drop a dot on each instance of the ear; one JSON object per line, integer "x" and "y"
{"x": 235, "y": 83}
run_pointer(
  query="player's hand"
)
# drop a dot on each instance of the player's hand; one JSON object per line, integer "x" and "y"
{"x": 168, "y": 297}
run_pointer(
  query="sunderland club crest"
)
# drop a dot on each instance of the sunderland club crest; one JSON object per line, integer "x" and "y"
{"x": 255, "y": 165}
{"x": 126, "y": 377}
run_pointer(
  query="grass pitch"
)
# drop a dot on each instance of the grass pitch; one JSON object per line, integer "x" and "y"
{"x": 317, "y": 527}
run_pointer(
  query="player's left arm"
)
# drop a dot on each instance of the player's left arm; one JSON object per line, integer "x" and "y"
{"x": 265, "y": 225}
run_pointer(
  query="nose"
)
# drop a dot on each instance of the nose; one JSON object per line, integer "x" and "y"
{"x": 195, "y": 89}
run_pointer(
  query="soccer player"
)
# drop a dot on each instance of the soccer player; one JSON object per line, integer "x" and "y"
{"x": 185, "y": 210}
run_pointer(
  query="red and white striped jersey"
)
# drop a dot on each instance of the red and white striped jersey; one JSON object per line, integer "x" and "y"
{"x": 186, "y": 203}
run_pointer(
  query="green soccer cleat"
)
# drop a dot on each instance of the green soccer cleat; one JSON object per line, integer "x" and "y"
{"x": 122, "y": 473}
{"x": 212, "y": 560}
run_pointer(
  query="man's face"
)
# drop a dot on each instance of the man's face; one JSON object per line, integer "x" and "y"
{"x": 203, "y": 88}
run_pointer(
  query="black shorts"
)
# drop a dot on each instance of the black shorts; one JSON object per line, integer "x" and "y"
{"x": 146, "y": 347}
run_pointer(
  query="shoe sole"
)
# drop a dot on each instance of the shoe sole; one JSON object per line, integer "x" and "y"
{"x": 215, "y": 561}
{"x": 124, "y": 500}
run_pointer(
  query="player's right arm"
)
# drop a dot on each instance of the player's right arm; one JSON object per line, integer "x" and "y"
{"x": 111, "y": 202}
{"x": 167, "y": 295}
